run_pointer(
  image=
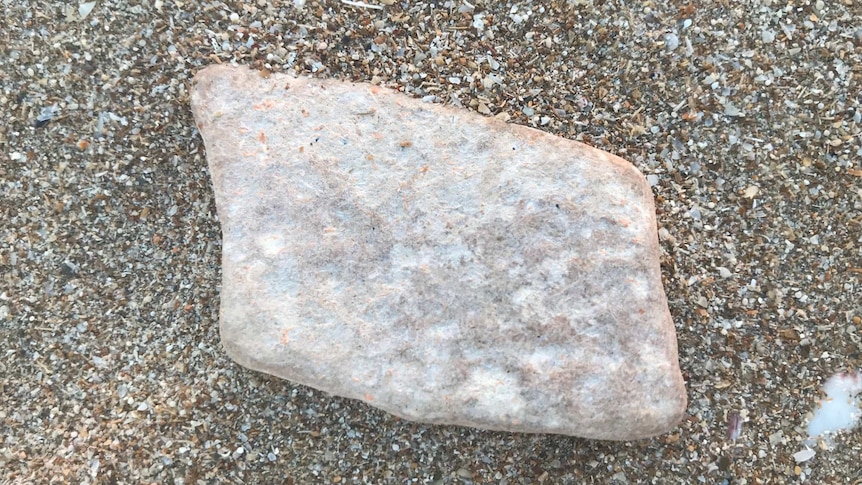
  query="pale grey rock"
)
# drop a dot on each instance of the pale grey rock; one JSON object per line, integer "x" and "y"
{"x": 434, "y": 263}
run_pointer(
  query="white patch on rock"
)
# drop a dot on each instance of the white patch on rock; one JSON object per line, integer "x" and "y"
{"x": 271, "y": 244}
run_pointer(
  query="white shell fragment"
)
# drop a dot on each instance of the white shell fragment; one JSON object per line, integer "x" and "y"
{"x": 84, "y": 9}
{"x": 804, "y": 455}
{"x": 839, "y": 410}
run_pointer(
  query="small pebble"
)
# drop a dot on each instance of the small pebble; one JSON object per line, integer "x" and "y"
{"x": 671, "y": 41}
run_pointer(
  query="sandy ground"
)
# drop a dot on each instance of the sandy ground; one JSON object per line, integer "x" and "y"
{"x": 746, "y": 119}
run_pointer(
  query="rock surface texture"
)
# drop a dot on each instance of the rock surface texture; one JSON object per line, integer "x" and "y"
{"x": 434, "y": 263}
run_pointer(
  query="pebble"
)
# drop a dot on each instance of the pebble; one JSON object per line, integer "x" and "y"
{"x": 671, "y": 41}
{"x": 454, "y": 196}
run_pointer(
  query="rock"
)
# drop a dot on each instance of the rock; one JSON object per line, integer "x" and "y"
{"x": 434, "y": 263}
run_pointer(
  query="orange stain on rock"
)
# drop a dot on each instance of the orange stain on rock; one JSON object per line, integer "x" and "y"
{"x": 265, "y": 105}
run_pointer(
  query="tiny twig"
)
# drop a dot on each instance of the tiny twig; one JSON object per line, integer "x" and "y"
{"x": 361, "y": 4}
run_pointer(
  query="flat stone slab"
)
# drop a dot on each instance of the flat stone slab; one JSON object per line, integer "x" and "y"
{"x": 440, "y": 265}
